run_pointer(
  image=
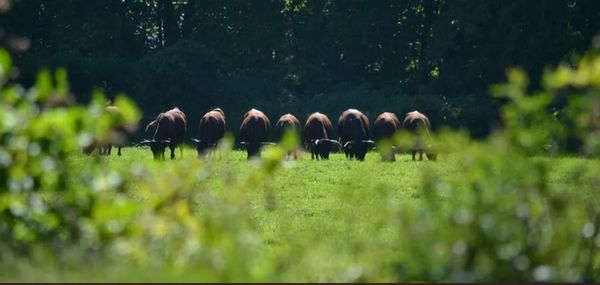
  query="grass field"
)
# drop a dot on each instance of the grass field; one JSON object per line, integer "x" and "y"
{"x": 336, "y": 220}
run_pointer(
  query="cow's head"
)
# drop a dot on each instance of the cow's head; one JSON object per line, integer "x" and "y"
{"x": 358, "y": 149}
{"x": 431, "y": 153}
{"x": 324, "y": 146}
{"x": 203, "y": 146}
{"x": 157, "y": 147}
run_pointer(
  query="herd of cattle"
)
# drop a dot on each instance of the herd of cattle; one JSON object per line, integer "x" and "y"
{"x": 353, "y": 128}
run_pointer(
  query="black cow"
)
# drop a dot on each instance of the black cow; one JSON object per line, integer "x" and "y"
{"x": 318, "y": 134}
{"x": 254, "y": 131}
{"x": 171, "y": 127}
{"x": 353, "y": 130}
{"x": 212, "y": 130}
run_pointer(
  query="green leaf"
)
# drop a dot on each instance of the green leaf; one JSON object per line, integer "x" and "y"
{"x": 5, "y": 64}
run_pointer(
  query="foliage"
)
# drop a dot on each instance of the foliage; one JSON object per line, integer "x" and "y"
{"x": 436, "y": 56}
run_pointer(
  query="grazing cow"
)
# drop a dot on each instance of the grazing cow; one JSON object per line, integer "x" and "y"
{"x": 254, "y": 131}
{"x": 385, "y": 127}
{"x": 212, "y": 130}
{"x": 318, "y": 134}
{"x": 105, "y": 148}
{"x": 418, "y": 125}
{"x": 116, "y": 136}
{"x": 171, "y": 127}
{"x": 353, "y": 130}
{"x": 287, "y": 123}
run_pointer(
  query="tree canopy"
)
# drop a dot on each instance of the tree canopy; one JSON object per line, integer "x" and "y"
{"x": 302, "y": 56}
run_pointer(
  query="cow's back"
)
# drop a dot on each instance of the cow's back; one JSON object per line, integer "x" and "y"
{"x": 386, "y": 125}
{"x": 415, "y": 121}
{"x": 353, "y": 125}
{"x": 318, "y": 126}
{"x": 285, "y": 123}
{"x": 212, "y": 127}
{"x": 255, "y": 127}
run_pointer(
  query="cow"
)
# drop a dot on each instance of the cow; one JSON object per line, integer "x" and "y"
{"x": 353, "y": 131}
{"x": 106, "y": 147}
{"x": 170, "y": 130}
{"x": 212, "y": 130}
{"x": 115, "y": 136}
{"x": 419, "y": 126}
{"x": 318, "y": 134}
{"x": 384, "y": 128}
{"x": 254, "y": 131}
{"x": 287, "y": 123}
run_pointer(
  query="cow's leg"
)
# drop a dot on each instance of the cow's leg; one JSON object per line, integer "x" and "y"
{"x": 119, "y": 151}
{"x": 414, "y": 152}
{"x": 420, "y": 155}
{"x": 108, "y": 149}
{"x": 173, "y": 151}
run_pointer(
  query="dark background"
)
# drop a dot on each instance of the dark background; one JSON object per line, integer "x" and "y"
{"x": 436, "y": 56}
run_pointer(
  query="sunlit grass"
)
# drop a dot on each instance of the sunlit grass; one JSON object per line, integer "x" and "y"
{"x": 328, "y": 220}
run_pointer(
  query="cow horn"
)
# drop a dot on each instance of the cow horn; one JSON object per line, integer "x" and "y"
{"x": 243, "y": 143}
{"x": 166, "y": 141}
{"x": 196, "y": 140}
{"x": 149, "y": 125}
{"x": 146, "y": 142}
{"x": 267, "y": 143}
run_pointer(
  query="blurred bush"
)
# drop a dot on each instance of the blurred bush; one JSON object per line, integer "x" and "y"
{"x": 501, "y": 221}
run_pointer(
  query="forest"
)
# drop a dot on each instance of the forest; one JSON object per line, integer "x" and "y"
{"x": 300, "y": 56}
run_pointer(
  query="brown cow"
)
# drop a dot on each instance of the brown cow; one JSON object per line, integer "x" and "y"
{"x": 116, "y": 136}
{"x": 318, "y": 134}
{"x": 418, "y": 125}
{"x": 353, "y": 130}
{"x": 287, "y": 123}
{"x": 254, "y": 131}
{"x": 385, "y": 127}
{"x": 171, "y": 127}
{"x": 212, "y": 130}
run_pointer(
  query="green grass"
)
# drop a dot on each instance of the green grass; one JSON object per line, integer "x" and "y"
{"x": 321, "y": 220}
{"x": 328, "y": 220}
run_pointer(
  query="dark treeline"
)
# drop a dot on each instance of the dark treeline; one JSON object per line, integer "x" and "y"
{"x": 299, "y": 56}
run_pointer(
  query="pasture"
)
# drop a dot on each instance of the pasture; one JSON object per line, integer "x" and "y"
{"x": 336, "y": 220}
